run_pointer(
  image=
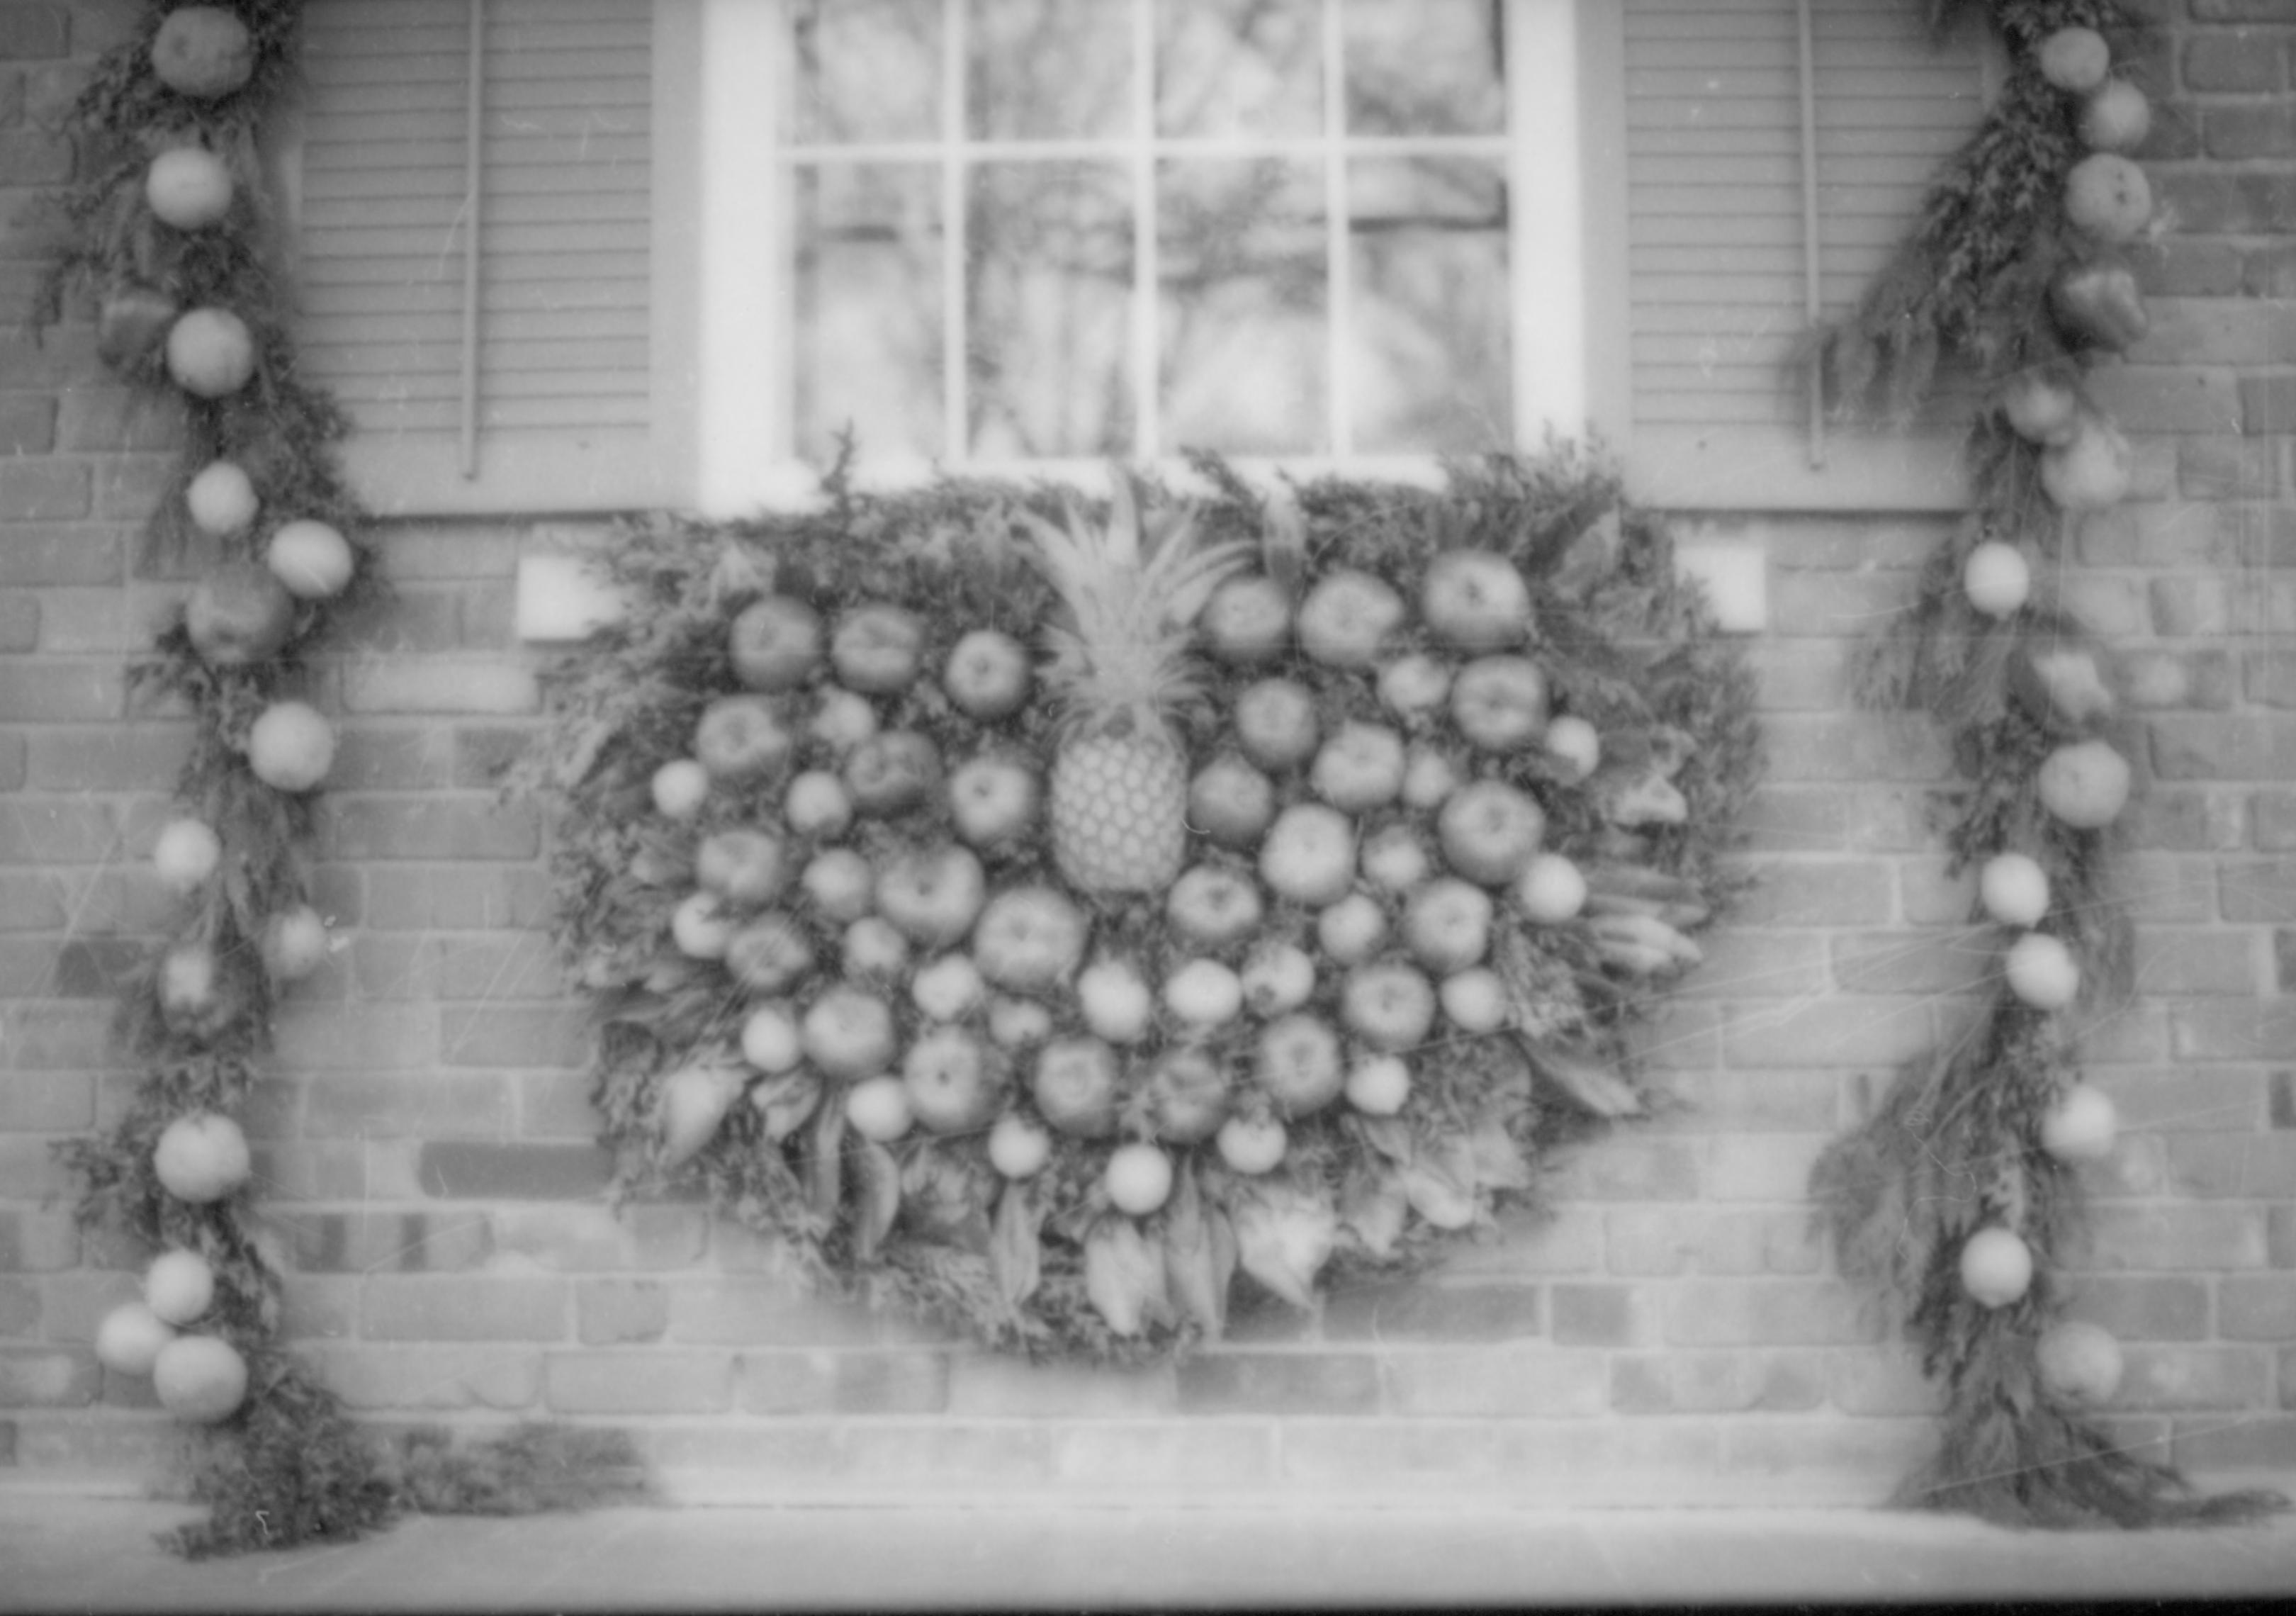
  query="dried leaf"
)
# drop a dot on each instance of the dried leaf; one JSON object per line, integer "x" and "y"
{"x": 1283, "y": 1237}
{"x": 1124, "y": 1277}
{"x": 1440, "y": 1183}
{"x": 1391, "y": 1137}
{"x": 1199, "y": 1257}
{"x": 786, "y": 1101}
{"x": 878, "y": 1201}
{"x": 825, "y": 1183}
{"x": 1374, "y": 1209}
{"x": 1586, "y": 1078}
{"x": 1015, "y": 1252}
{"x": 1499, "y": 1163}
{"x": 694, "y": 1101}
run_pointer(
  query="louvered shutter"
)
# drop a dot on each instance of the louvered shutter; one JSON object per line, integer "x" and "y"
{"x": 567, "y": 413}
{"x": 1716, "y": 239}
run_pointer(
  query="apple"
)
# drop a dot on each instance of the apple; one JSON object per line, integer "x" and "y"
{"x": 1309, "y": 855}
{"x": 1347, "y": 618}
{"x": 878, "y": 648}
{"x": 2081, "y": 1126}
{"x": 221, "y": 499}
{"x": 1251, "y": 1146}
{"x": 746, "y": 868}
{"x": 1429, "y": 777}
{"x": 948, "y": 988}
{"x": 954, "y": 1085}
{"x": 993, "y": 799}
{"x": 770, "y": 1040}
{"x": 1412, "y": 686}
{"x": 848, "y": 1033}
{"x": 1394, "y": 859}
{"x": 873, "y": 947}
{"x": 1379, "y": 1085}
{"x": 1138, "y": 1178}
{"x": 842, "y": 720}
{"x": 1278, "y": 978}
{"x": 1029, "y": 938}
{"x": 1212, "y": 905}
{"x": 313, "y": 560}
{"x": 2090, "y": 471}
{"x": 1298, "y": 1064}
{"x": 770, "y": 955}
{"x": 185, "y": 853}
{"x": 2042, "y": 972}
{"x": 1996, "y": 579}
{"x": 817, "y": 804}
{"x": 2013, "y": 889}
{"x": 701, "y": 927}
{"x": 2116, "y": 118}
{"x": 1203, "y": 993}
{"x": 1475, "y": 600}
{"x": 1488, "y": 830}
{"x": 1075, "y": 1085}
{"x": 1187, "y": 1096}
{"x": 1117, "y": 1002}
{"x": 986, "y": 675}
{"x": 1018, "y": 1148}
{"x": 740, "y": 738}
{"x": 2075, "y": 59}
{"x": 679, "y": 787}
{"x": 295, "y": 943}
{"x": 1500, "y": 703}
{"x": 934, "y": 894}
{"x": 891, "y": 772}
{"x": 1248, "y": 619}
{"x": 1275, "y": 722}
{"x": 1360, "y": 768}
{"x": 1353, "y": 929}
{"x": 1389, "y": 1006}
{"x": 1231, "y": 801}
{"x": 1551, "y": 890}
{"x": 129, "y": 1340}
{"x": 878, "y": 1108}
{"x": 1474, "y": 1000}
{"x": 2040, "y": 404}
{"x": 239, "y": 614}
{"x": 1574, "y": 746}
{"x": 1447, "y": 925}
{"x": 1997, "y": 1266}
{"x": 775, "y": 643}
{"x": 841, "y": 883}
{"x": 1017, "y": 1023}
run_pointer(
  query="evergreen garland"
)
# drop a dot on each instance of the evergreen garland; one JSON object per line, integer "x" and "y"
{"x": 163, "y": 230}
{"x": 1956, "y": 1200}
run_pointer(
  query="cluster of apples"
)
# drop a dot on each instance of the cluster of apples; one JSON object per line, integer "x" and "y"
{"x": 1367, "y": 821}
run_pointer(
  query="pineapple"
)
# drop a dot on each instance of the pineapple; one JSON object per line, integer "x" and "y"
{"x": 1118, "y": 798}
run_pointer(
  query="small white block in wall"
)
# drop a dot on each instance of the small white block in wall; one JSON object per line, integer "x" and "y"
{"x": 561, "y": 600}
{"x": 1736, "y": 576}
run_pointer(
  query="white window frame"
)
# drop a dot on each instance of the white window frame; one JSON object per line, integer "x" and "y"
{"x": 726, "y": 290}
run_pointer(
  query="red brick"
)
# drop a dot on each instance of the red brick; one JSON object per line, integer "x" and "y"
{"x": 1424, "y": 1311}
{"x": 398, "y": 1104}
{"x": 1835, "y": 1031}
{"x": 2199, "y": 1099}
{"x": 120, "y": 419}
{"x": 519, "y": 966}
{"x": 439, "y": 685}
{"x": 1121, "y": 1459}
{"x": 2257, "y": 1307}
{"x": 1277, "y": 1383}
{"x": 2268, "y": 404}
{"x": 361, "y": 1037}
{"x": 2162, "y": 399}
{"x": 116, "y": 757}
{"x": 993, "y": 1385}
{"x": 60, "y": 692}
{"x": 31, "y": 29}
{"x": 491, "y": 1306}
{"x": 2244, "y": 11}
{"x": 394, "y": 1378}
{"x": 1602, "y": 1315}
{"x": 42, "y": 490}
{"x": 424, "y": 827}
{"x": 863, "y": 1383}
{"x": 2234, "y": 1165}
{"x": 2195, "y": 963}
{"x": 1821, "y": 891}
{"x": 2181, "y": 819}
{"x": 2180, "y": 1239}
{"x": 466, "y": 897}
{"x": 513, "y": 1035}
{"x": 37, "y": 1242}
{"x": 1780, "y": 1312}
{"x": 649, "y": 1382}
{"x": 2233, "y": 1030}
{"x": 610, "y": 1312}
{"x": 2268, "y": 270}
{"x": 454, "y": 1170}
{"x": 2227, "y": 467}
{"x": 1859, "y": 747}
{"x": 1511, "y": 1384}
{"x": 2172, "y": 1378}
{"x": 33, "y": 555}
{"x": 48, "y": 1377}
{"x": 2252, "y": 1441}
{"x": 2143, "y": 1307}
{"x": 28, "y": 420}
{"x": 2232, "y": 59}
{"x": 2224, "y": 748}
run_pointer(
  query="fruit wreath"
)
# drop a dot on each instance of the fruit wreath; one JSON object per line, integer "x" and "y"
{"x": 1034, "y": 913}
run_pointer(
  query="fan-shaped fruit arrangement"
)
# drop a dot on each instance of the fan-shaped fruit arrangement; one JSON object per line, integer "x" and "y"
{"x": 1051, "y": 927}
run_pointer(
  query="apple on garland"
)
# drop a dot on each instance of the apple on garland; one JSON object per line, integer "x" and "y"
{"x": 189, "y": 187}
{"x": 203, "y": 52}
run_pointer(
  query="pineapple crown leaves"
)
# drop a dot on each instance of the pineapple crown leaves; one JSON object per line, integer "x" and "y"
{"x": 1128, "y": 598}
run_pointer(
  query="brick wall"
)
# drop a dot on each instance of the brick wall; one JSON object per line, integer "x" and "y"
{"x": 1671, "y": 1332}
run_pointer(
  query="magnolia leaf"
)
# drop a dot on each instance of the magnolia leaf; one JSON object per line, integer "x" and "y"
{"x": 1374, "y": 1209}
{"x": 1284, "y": 1236}
{"x": 694, "y": 1101}
{"x": 1391, "y": 1137}
{"x": 825, "y": 1173}
{"x": 1124, "y": 1277}
{"x": 1498, "y": 1160}
{"x": 1587, "y": 1079}
{"x": 786, "y": 1101}
{"x": 1440, "y": 1182}
{"x": 1195, "y": 1267}
{"x": 1015, "y": 1254}
{"x": 878, "y": 1183}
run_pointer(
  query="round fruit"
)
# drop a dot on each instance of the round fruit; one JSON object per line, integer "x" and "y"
{"x": 744, "y": 867}
{"x": 772, "y": 954}
{"x": 952, "y": 1087}
{"x": 774, "y": 644}
{"x": 291, "y": 747}
{"x": 1298, "y": 1063}
{"x": 188, "y": 187}
{"x": 1187, "y": 1096}
{"x": 202, "y": 51}
{"x": 1248, "y": 619}
{"x": 178, "y": 1286}
{"x": 1475, "y": 600}
{"x": 186, "y": 854}
{"x": 891, "y": 772}
{"x": 1414, "y": 684}
{"x": 2013, "y": 889}
{"x": 190, "y": 993}
{"x": 1275, "y": 722}
{"x": 2084, "y": 785}
{"x": 312, "y": 559}
{"x": 878, "y": 1108}
{"x": 679, "y": 789}
{"x": 1996, "y": 579}
{"x": 1489, "y": 831}
{"x": 1231, "y": 802}
{"x": 1204, "y": 993}
{"x": 1500, "y": 703}
{"x": 1379, "y": 1086}
{"x": 1139, "y": 1178}
{"x": 295, "y": 943}
{"x": 1309, "y": 855}
{"x": 1575, "y": 746}
{"x": 2081, "y": 1126}
{"x": 2041, "y": 972}
{"x": 740, "y": 738}
{"x": 1075, "y": 1086}
{"x": 1996, "y": 1268}
{"x": 877, "y": 650}
{"x": 1352, "y": 930}
{"x": 1347, "y": 618}
{"x": 2091, "y": 471}
{"x": 200, "y": 1379}
{"x": 1390, "y": 1005}
{"x": 2117, "y": 119}
{"x": 700, "y": 926}
{"x": 2075, "y": 59}
{"x": 1018, "y": 1148}
{"x": 2107, "y": 196}
{"x": 988, "y": 674}
{"x": 210, "y": 353}
{"x": 129, "y": 1339}
{"x": 770, "y": 1040}
{"x": 221, "y": 499}
{"x": 201, "y": 1158}
{"x": 2078, "y": 1363}
{"x": 1475, "y": 1000}
{"x": 239, "y": 614}
{"x": 1251, "y": 1146}
{"x": 1551, "y": 890}
{"x": 1115, "y": 1000}
{"x": 2040, "y": 406}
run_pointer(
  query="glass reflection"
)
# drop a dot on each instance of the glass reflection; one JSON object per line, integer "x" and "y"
{"x": 1048, "y": 70}
{"x": 1424, "y": 67}
{"x": 867, "y": 70}
{"x": 868, "y": 316}
{"x": 1241, "y": 260}
{"x": 1427, "y": 325}
{"x": 1229, "y": 68}
{"x": 1047, "y": 282}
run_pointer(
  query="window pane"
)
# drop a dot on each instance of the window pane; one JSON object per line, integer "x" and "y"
{"x": 1424, "y": 67}
{"x": 1239, "y": 66}
{"x": 1428, "y": 350}
{"x": 1049, "y": 70}
{"x": 868, "y": 69}
{"x": 868, "y": 329}
{"x": 1241, "y": 259}
{"x": 1048, "y": 284}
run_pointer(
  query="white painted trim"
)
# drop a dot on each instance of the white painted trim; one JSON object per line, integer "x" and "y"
{"x": 1546, "y": 250}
